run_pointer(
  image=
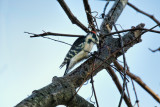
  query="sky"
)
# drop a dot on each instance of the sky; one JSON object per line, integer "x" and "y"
{"x": 28, "y": 64}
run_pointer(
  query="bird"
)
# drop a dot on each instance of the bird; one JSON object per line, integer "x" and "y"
{"x": 80, "y": 50}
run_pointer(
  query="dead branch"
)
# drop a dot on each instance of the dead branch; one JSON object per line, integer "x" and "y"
{"x": 118, "y": 84}
{"x": 112, "y": 16}
{"x": 74, "y": 35}
{"x": 57, "y": 40}
{"x": 70, "y": 15}
{"x": 52, "y": 34}
{"x": 137, "y": 101}
{"x": 139, "y": 81}
{"x": 93, "y": 88}
{"x": 138, "y": 10}
{"x": 132, "y": 29}
{"x": 124, "y": 60}
{"x": 88, "y": 13}
{"x": 155, "y": 49}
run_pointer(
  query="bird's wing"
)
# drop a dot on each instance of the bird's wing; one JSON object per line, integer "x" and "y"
{"x": 77, "y": 46}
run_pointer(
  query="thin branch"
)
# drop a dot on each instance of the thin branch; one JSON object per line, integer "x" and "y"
{"x": 70, "y": 15}
{"x": 92, "y": 82}
{"x": 53, "y": 34}
{"x": 124, "y": 60}
{"x": 139, "y": 81}
{"x": 137, "y": 101}
{"x": 104, "y": 10}
{"x": 94, "y": 90}
{"x": 88, "y": 13}
{"x": 91, "y": 97}
{"x": 132, "y": 29}
{"x": 118, "y": 84}
{"x": 150, "y": 16}
{"x": 73, "y": 35}
{"x": 103, "y": 60}
{"x": 57, "y": 41}
{"x": 155, "y": 49}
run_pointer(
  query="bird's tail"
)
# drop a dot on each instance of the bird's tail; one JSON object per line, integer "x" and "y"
{"x": 66, "y": 71}
{"x": 62, "y": 64}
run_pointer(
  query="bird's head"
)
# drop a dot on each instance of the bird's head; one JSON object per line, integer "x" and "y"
{"x": 92, "y": 37}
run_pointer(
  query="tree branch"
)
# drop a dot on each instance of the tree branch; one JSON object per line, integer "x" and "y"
{"x": 155, "y": 49}
{"x": 150, "y": 16}
{"x": 118, "y": 84}
{"x": 139, "y": 81}
{"x": 70, "y": 15}
{"x": 111, "y": 49}
{"x": 62, "y": 89}
{"x": 88, "y": 13}
{"x": 112, "y": 16}
{"x": 132, "y": 29}
{"x": 57, "y": 93}
{"x": 52, "y": 34}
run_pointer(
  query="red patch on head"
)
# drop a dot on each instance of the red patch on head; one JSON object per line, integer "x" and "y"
{"x": 93, "y": 32}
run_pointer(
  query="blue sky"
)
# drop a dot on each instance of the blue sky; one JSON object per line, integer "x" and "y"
{"x": 28, "y": 63}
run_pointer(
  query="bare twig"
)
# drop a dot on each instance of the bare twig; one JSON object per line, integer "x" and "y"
{"x": 155, "y": 49}
{"x": 103, "y": 60}
{"x": 53, "y": 34}
{"x": 150, "y": 16}
{"x": 91, "y": 97}
{"x": 88, "y": 13}
{"x": 139, "y": 81}
{"x": 74, "y": 35}
{"x": 127, "y": 91}
{"x": 104, "y": 10}
{"x": 124, "y": 60}
{"x": 132, "y": 29}
{"x": 139, "y": 34}
{"x": 137, "y": 101}
{"x": 70, "y": 15}
{"x": 94, "y": 90}
{"x": 93, "y": 85}
{"x": 57, "y": 41}
{"x": 118, "y": 84}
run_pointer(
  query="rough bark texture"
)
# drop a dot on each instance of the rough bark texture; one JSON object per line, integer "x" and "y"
{"x": 62, "y": 89}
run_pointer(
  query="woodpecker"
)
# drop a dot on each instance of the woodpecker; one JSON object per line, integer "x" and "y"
{"x": 79, "y": 50}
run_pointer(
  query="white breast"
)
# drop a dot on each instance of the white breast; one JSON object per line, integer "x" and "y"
{"x": 88, "y": 47}
{"x": 81, "y": 55}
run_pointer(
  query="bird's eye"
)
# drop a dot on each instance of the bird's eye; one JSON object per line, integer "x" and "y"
{"x": 89, "y": 40}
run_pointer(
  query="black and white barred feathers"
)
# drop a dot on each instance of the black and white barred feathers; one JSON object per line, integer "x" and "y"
{"x": 79, "y": 50}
